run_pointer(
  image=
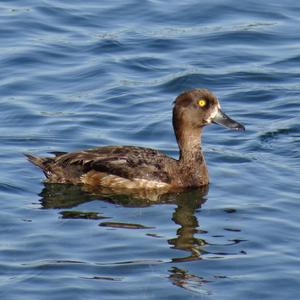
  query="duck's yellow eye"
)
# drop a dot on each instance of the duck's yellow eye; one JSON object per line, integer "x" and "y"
{"x": 201, "y": 102}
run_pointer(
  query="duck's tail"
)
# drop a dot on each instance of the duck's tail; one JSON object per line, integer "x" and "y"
{"x": 38, "y": 161}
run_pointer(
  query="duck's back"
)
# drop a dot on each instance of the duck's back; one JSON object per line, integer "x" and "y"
{"x": 113, "y": 166}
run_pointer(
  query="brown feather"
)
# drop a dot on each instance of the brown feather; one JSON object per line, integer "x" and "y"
{"x": 145, "y": 168}
{"x": 128, "y": 162}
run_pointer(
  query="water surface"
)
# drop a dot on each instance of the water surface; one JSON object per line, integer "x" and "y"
{"x": 79, "y": 74}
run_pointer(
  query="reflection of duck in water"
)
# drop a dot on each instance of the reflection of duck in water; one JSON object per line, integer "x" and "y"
{"x": 64, "y": 196}
{"x": 135, "y": 168}
{"x": 188, "y": 281}
{"x": 185, "y": 216}
{"x": 69, "y": 196}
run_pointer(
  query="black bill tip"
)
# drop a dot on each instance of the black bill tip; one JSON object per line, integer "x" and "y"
{"x": 222, "y": 119}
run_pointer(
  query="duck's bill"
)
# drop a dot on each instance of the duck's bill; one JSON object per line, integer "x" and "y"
{"x": 222, "y": 119}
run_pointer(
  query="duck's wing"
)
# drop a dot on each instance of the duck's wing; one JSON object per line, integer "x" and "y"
{"x": 124, "y": 161}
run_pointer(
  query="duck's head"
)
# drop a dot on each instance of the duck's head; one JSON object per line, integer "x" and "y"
{"x": 199, "y": 107}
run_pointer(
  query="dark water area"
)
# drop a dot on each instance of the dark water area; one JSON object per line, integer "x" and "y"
{"x": 80, "y": 74}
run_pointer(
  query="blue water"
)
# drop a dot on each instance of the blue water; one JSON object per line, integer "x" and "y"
{"x": 79, "y": 74}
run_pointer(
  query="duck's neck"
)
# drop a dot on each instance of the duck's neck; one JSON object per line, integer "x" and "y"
{"x": 189, "y": 143}
{"x": 192, "y": 167}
